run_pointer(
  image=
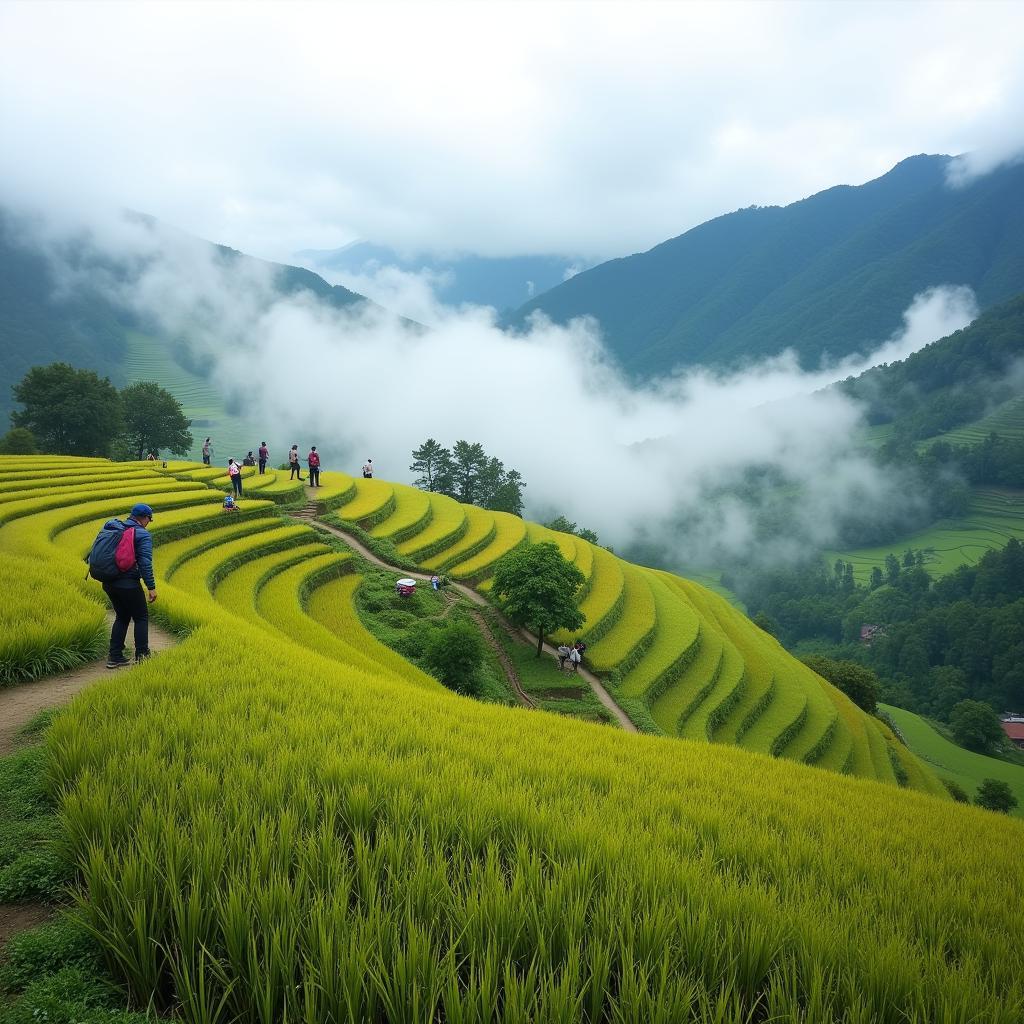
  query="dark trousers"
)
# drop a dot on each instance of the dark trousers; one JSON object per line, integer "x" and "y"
{"x": 206, "y": 460}
{"x": 130, "y": 604}
{"x": 236, "y": 483}
{"x": 314, "y": 476}
{"x": 296, "y": 471}
{"x": 263, "y": 466}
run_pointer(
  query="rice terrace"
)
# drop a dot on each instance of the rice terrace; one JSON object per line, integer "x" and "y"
{"x": 306, "y": 827}
{"x": 511, "y": 513}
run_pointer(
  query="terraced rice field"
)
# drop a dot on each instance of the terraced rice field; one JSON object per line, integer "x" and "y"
{"x": 993, "y": 518}
{"x": 1007, "y": 420}
{"x": 285, "y": 820}
{"x": 147, "y": 359}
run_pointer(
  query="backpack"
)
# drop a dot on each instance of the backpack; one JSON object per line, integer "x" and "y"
{"x": 106, "y": 555}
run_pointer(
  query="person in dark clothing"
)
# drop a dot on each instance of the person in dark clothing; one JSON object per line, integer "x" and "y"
{"x": 130, "y": 602}
{"x": 294, "y": 464}
{"x": 235, "y": 473}
{"x": 264, "y": 454}
{"x": 313, "y": 461}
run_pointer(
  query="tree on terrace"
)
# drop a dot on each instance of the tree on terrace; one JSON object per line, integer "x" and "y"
{"x": 468, "y": 463}
{"x": 68, "y": 411}
{"x": 434, "y": 465}
{"x": 537, "y": 587}
{"x": 18, "y": 441}
{"x": 153, "y": 419}
{"x": 860, "y": 684}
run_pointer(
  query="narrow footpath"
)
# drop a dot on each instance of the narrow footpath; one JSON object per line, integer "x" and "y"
{"x": 478, "y": 599}
{"x": 20, "y": 704}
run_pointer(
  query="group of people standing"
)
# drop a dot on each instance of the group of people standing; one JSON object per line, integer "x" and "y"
{"x": 261, "y": 458}
{"x": 571, "y": 656}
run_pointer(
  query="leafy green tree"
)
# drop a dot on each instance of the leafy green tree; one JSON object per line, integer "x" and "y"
{"x": 976, "y": 726}
{"x": 18, "y": 441}
{"x": 563, "y": 525}
{"x": 454, "y": 654}
{"x": 995, "y": 795}
{"x": 762, "y": 621}
{"x": 433, "y": 463}
{"x": 860, "y": 684}
{"x": 68, "y": 411}
{"x": 537, "y": 587}
{"x": 892, "y": 568}
{"x": 877, "y": 579}
{"x": 153, "y": 419}
{"x": 468, "y": 462}
{"x": 508, "y": 495}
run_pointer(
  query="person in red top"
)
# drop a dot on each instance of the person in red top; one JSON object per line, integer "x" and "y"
{"x": 264, "y": 454}
{"x": 313, "y": 461}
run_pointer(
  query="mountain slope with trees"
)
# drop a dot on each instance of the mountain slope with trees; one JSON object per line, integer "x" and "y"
{"x": 43, "y": 322}
{"x": 825, "y": 276}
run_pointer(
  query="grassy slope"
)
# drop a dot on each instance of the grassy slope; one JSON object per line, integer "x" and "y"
{"x": 951, "y": 761}
{"x": 364, "y": 816}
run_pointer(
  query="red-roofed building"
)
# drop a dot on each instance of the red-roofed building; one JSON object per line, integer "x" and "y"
{"x": 1014, "y": 729}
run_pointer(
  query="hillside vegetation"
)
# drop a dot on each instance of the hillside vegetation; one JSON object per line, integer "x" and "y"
{"x": 278, "y": 821}
{"x": 831, "y": 274}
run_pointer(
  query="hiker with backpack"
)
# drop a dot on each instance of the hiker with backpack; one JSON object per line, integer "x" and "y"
{"x": 294, "y": 464}
{"x": 235, "y": 472}
{"x": 264, "y": 454}
{"x": 120, "y": 558}
{"x": 313, "y": 461}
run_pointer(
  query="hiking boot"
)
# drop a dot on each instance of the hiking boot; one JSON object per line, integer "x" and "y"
{"x": 119, "y": 662}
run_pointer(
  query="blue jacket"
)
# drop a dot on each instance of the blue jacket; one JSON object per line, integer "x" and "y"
{"x": 143, "y": 569}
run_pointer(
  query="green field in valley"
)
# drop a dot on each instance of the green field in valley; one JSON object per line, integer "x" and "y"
{"x": 149, "y": 359}
{"x": 1006, "y": 420}
{"x": 953, "y": 762}
{"x": 993, "y": 518}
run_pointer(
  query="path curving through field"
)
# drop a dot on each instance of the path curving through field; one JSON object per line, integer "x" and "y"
{"x": 592, "y": 681}
{"x": 20, "y": 704}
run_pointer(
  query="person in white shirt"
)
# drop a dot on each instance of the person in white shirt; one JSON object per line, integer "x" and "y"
{"x": 368, "y": 469}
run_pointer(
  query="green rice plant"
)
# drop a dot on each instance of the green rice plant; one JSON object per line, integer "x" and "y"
{"x": 32, "y": 482}
{"x": 44, "y": 628}
{"x": 565, "y": 542}
{"x": 374, "y": 501}
{"x": 509, "y": 533}
{"x": 633, "y": 632}
{"x": 411, "y": 515}
{"x": 237, "y": 589}
{"x": 604, "y": 599}
{"x": 674, "y": 643}
{"x": 448, "y": 525}
{"x": 332, "y": 606}
{"x": 480, "y": 531}
{"x": 335, "y": 490}
{"x": 679, "y": 699}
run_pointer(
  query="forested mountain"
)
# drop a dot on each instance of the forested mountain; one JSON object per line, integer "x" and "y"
{"x": 950, "y": 382}
{"x": 504, "y": 283}
{"x": 42, "y": 322}
{"x": 829, "y": 275}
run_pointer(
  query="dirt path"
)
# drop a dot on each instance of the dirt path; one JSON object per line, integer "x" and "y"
{"x": 20, "y": 704}
{"x": 478, "y": 599}
{"x": 506, "y": 662}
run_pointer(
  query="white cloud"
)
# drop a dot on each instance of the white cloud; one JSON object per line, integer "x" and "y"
{"x": 497, "y": 128}
{"x": 627, "y": 460}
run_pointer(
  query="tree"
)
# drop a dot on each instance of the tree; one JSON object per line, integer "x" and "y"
{"x": 69, "y": 411}
{"x": 995, "y": 795}
{"x": 976, "y": 726}
{"x": 877, "y": 579}
{"x": 18, "y": 441}
{"x": 763, "y": 621}
{"x": 508, "y": 495}
{"x": 468, "y": 462}
{"x": 433, "y": 463}
{"x": 454, "y": 654}
{"x": 153, "y": 419}
{"x": 860, "y": 684}
{"x": 537, "y": 587}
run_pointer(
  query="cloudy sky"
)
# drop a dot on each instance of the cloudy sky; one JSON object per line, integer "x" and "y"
{"x": 581, "y": 128}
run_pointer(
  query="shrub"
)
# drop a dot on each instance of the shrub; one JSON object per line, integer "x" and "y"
{"x": 454, "y": 655}
{"x": 956, "y": 791}
{"x": 18, "y": 441}
{"x": 995, "y": 795}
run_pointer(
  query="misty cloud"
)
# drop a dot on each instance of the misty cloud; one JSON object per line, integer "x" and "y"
{"x": 496, "y": 128}
{"x": 691, "y": 461}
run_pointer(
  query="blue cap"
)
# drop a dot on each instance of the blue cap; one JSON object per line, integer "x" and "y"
{"x": 141, "y": 509}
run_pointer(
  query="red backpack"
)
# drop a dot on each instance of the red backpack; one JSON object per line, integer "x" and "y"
{"x": 124, "y": 555}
